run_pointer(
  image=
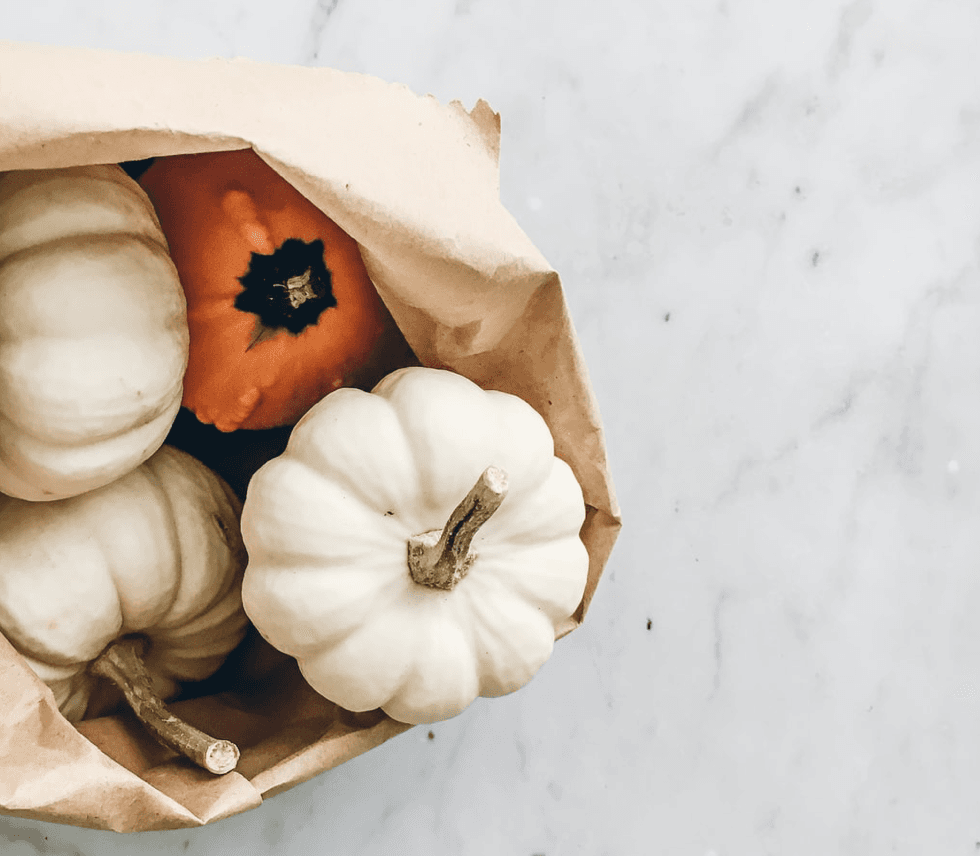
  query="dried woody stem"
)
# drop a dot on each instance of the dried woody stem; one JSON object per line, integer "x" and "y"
{"x": 122, "y": 663}
{"x": 440, "y": 559}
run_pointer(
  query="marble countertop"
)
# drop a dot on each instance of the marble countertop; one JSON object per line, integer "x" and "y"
{"x": 767, "y": 220}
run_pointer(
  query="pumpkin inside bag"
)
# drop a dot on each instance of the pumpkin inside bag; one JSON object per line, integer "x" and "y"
{"x": 415, "y": 547}
{"x": 281, "y": 309}
{"x": 132, "y": 587}
{"x": 92, "y": 330}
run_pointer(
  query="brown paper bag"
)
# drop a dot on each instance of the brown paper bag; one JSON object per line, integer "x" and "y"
{"x": 415, "y": 182}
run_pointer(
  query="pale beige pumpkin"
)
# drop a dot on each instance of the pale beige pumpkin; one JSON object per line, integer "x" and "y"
{"x": 93, "y": 330}
{"x": 347, "y": 571}
{"x": 155, "y": 557}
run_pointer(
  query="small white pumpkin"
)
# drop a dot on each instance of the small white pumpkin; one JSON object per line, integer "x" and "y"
{"x": 138, "y": 581}
{"x": 415, "y": 547}
{"x": 93, "y": 330}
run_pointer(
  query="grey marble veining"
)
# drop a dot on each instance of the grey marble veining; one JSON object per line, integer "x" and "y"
{"x": 766, "y": 218}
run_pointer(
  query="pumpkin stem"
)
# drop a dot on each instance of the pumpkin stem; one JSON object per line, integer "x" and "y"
{"x": 287, "y": 289}
{"x": 122, "y": 663}
{"x": 440, "y": 559}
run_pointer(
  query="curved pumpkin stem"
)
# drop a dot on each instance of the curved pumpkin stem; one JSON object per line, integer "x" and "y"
{"x": 440, "y": 559}
{"x": 122, "y": 663}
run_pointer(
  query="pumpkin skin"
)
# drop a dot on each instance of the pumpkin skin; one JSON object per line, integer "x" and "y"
{"x": 157, "y": 554}
{"x": 280, "y": 306}
{"x": 326, "y": 526}
{"x": 93, "y": 330}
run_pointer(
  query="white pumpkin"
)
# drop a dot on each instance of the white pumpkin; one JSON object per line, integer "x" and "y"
{"x": 152, "y": 562}
{"x": 415, "y": 547}
{"x": 93, "y": 330}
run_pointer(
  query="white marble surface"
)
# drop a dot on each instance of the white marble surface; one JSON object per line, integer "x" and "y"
{"x": 767, "y": 219}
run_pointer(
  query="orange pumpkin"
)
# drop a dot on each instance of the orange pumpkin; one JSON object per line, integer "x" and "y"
{"x": 280, "y": 308}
